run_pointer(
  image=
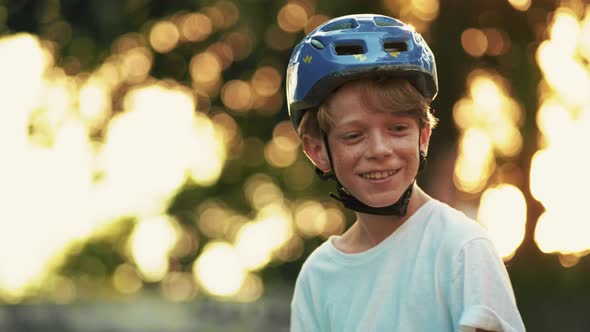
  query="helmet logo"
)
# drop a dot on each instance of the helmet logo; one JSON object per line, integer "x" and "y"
{"x": 394, "y": 54}
{"x": 360, "y": 57}
{"x": 307, "y": 59}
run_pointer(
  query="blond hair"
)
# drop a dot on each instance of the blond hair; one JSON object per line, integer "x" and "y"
{"x": 382, "y": 95}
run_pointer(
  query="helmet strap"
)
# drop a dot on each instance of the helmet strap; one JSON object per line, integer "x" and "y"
{"x": 398, "y": 208}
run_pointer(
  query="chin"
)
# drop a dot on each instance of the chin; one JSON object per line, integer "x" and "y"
{"x": 379, "y": 202}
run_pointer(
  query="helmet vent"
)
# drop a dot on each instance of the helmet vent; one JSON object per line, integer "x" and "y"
{"x": 386, "y": 22}
{"x": 341, "y": 25}
{"x": 349, "y": 49}
{"x": 395, "y": 47}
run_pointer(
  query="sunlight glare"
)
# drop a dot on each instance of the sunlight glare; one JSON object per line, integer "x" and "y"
{"x": 219, "y": 269}
{"x": 559, "y": 173}
{"x": 489, "y": 120}
{"x": 475, "y": 161}
{"x": 310, "y": 218}
{"x": 151, "y": 243}
{"x": 502, "y": 211}
{"x": 257, "y": 240}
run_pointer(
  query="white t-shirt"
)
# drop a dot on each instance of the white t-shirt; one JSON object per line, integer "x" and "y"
{"x": 437, "y": 272}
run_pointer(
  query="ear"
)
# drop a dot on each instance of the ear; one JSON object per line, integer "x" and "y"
{"x": 425, "y": 132}
{"x": 315, "y": 151}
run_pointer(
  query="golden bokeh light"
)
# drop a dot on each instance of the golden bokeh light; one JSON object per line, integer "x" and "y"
{"x": 475, "y": 161}
{"x": 418, "y": 13}
{"x": 242, "y": 42}
{"x": 205, "y": 68}
{"x": 280, "y": 155}
{"x": 237, "y": 95}
{"x": 335, "y": 222}
{"x": 522, "y": 5}
{"x": 218, "y": 270}
{"x": 565, "y": 30}
{"x": 127, "y": 42}
{"x": 256, "y": 241}
{"x": 230, "y": 12}
{"x": 52, "y": 178}
{"x": 426, "y": 10}
{"x": 224, "y": 53}
{"x": 292, "y": 17}
{"x": 474, "y": 42}
{"x": 62, "y": 290}
{"x": 570, "y": 79}
{"x": 260, "y": 190}
{"x": 126, "y": 279}
{"x": 558, "y": 174}
{"x": 151, "y": 243}
{"x": 135, "y": 64}
{"x": 164, "y": 36}
{"x": 251, "y": 290}
{"x": 252, "y": 246}
{"x": 563, "y": 233}
{"x": 95, "y": 150}
{"x": 269, "y": 106}
{"x": 195, "y": 27}
{"x": 178, "y": 286}
{"x": 228, "y": 128}
{"x": 94, "y": 103}
{"x": 215, "y": 15}
{"x": 23, "y": 63}
{"x": 568, "y": 260}
{"x": 584, "y": 43}
{"x": 498, "y": 41}
{"x": 502, "y": 210}
{"x": 188, "y": 240}
{"x": 150, "y": 147}
{"x": 108, "y": 74}
{"x": 214, "y": 219}
{"x": 554, "y": 119}
{"x": 283, "y": 149}
{"x": 489, "y": 120}
{"x": 290, "y": 250}
{"x": 207, "y": 165}
{"x": 266, "y": 81}
{"x": 310, "y": 218}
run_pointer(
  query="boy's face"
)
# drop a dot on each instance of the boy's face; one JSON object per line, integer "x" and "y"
{"x": 375, "y": 154}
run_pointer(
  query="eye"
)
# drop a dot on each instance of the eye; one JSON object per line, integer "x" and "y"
{"x": 351, "y": 135}
{"x": 399, "y": 128}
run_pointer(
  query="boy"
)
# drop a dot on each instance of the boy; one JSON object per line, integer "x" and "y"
{"x": 359, "y": 89}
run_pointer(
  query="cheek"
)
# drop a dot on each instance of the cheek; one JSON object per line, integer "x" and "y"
{"x": 345, "y": 157}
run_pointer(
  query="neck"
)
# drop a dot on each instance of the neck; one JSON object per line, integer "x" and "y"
{"x": 372, "y": 229}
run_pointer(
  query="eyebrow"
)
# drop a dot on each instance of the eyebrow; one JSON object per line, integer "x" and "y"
{"x": 398, "y": 114}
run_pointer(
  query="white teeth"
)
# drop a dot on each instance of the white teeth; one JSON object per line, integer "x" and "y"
{"x": 377, "y": 175}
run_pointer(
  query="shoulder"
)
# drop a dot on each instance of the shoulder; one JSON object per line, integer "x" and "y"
{"x": 311, "y": 280}
{"x": 456, "y": 223}
{"x": 319, "y": 259}
{"x": 454, "y": 229}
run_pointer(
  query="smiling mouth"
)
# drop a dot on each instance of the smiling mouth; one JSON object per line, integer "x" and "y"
{"x": 378, "y": 174}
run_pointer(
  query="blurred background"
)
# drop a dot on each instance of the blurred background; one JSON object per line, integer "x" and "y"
{"x": 150, "y": 179}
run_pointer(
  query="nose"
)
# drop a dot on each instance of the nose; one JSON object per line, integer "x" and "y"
{"x": 379, "y": 146}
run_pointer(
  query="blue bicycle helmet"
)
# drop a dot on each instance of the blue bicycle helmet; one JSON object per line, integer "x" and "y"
{"x": 352, "y": 47}
{"x": 349, "y": 48}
